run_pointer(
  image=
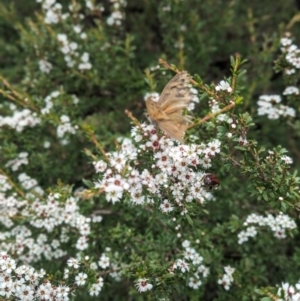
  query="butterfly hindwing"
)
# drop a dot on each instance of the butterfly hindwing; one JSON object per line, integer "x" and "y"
{"x": 172, "y": 129}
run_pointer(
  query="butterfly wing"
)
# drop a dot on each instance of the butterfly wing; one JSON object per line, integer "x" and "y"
{"x": 176, "y": 92}
{"x": 167, "y": 112}
{"x": 155, "y": 112}
{"x": 174, "y": 130}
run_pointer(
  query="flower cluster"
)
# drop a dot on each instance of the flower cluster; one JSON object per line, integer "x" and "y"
{"x": 291, "y": 90}
{"x": 25, "y": 283}
{"x": 65, "y": 127}
{"x": 29, "y": 183}
{"x": 45, "y": 66}
{"x": 69, "y": 49}
{"x": 172, "y": 179}
{"x": 214, "y": 106}
{"x": 196, "y": 266}
{"x": 271, "y": 106}
{"x": 117, "y": 15}
{"x": 96, "y": 287}
{"x": 291, "y": 53}
{"x": 50, "y": 215}
{"x": 223, "y": 86}
{"x": 4, "y": 184}
{"x": 49, "y": 102}
{"x": 17, "y": 162}
{"x": 278, "y": 224}
{"x": 9, "y": 205}
{"x": 271, "y": 158}
{"x": 227, "y": 278}
{"x": 20, "y": 119}
{"x": 53, "y": 11}
{"x": 289, "y": 292}
{"x": 81, "y": 277}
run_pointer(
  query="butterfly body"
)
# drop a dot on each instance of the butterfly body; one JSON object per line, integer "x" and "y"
{"x": 166, "y": 113}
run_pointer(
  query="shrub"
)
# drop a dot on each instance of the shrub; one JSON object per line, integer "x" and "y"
{"x": 98, "y": 202}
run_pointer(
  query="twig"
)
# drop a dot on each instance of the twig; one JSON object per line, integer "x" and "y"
{"x": 135, "y": 121}
{"x": 99, "y": 146}
{"x": 211, "y": 115}
{"x": 16, "y": 97}
{"x": 234, "y": 71}
{"x": 19, "y": 191}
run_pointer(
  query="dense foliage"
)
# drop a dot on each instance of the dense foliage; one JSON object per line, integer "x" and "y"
{"x": 97, "y": 202}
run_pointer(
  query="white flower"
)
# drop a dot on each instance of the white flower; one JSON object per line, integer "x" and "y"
{"x": 72, "y": 262}
{"x": 287, "y": 159}
{"x": 85, "y": 57}
{"x": 285, "y": 41}
{"x": 44, "y": 291}
{"x": 243, "y": 141}
{"x": 80, "y": 279}
{"x": 62, "y": 38}
{"x": 85, "y": 66}
{"x": 64, "y": 118}
{"x": 45, "y": 66}
{"x": 224, "y": 86}
{"x": 104, "y": 261}
{"x": 47, "y": 144}
{"x": 291, "y": 90}
{"x": 251, "y": 231}
{"x": 100, "y": 166}
{"x": 77, "y": 28}
{"x": 204, "y": 270}
{"x": 25, "y": 292}
{"x": 289, "y": 71}
{"x": 182, "y": 265}
{"x": 189, "y": 253}
{"x": 81, "y": 243}
{"x": 197, "y": 259}
{"x": 225, "y": 282}
{"x": 154, "y": 96}
{"x": 229, "y": 270}
{"x": 186, "y": 243}
{"x": 194, "y": 283}
{"x": 143, "y": 285}
{"x": 94, "y": 290}
{"x": 62, "y": 292}
{"x": 166, "y": 206}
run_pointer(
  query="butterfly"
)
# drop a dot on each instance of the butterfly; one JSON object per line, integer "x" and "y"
{"x": 166, "y": 113}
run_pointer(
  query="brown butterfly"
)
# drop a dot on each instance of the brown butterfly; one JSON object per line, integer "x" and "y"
{"x": 166, "y": 113}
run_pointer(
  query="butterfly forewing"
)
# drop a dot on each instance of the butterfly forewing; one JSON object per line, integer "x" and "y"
{"x": 176, "y": 90}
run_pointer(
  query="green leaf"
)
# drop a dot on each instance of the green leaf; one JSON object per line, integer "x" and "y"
{"x": 190, "y": 221}
{"x": 198, "y": 79}
{"x": 265, "y": 196}
{"x": 232, "y": 61}
{"x": 89, "y": 184}
{"x": 240, "y": 148}
{"x": 239, "y": 100}
{"x": 266, "y": 299}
